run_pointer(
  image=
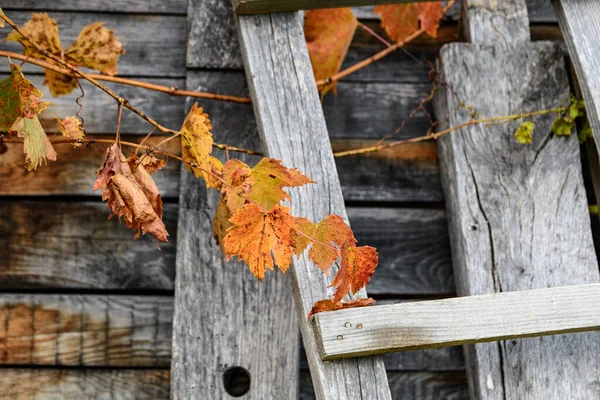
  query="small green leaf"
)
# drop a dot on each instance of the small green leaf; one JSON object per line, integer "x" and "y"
{"x": 36, "y": 145}
{"x": 562, "y": 126}
{"x": 585, "y": 132}
{"x": 573, "y": 111}
{"x": 523, "y": 134}
{"x": 593, "y": 209}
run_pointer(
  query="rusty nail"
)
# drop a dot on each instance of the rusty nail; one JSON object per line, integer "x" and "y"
{"x": 359, "y": 326}
{"x": 340, "y": 337}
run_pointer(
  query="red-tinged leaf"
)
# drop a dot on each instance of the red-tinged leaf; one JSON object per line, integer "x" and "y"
{"x": 18, "y": 98}
{"x": 357, "y": 266}
{"x": 326, "y": 237}
{"x": 328, "y": 34}
{"x": 331, "y": 305}
{"x": 260, "y": 238}
{"x": 97, "y": 48}
{"x": 401, "y": 20}
{"x": 262, "y": 184}
{"x": 36, "y": 145}
{"x": 71, "y": 129}
{"x": 132, "y": 196}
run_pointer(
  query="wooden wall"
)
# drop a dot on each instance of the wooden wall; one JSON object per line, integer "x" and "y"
{"x": 87, "y": 311}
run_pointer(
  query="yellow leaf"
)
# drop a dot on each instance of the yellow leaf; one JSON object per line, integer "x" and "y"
{"x": 221, "y": 221}
{"x": 70, "y": 127}
{"x": 36, "y": 145}
{"x": 44, "y": 31}
{"x": 196, "y": 141}
{"x": 261, "y": 239}
{"x": 97, "y": 48}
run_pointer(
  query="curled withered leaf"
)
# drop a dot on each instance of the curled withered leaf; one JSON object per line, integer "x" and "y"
{"x": 71, "y": 129}
{"x": 97, "y": 48}
{"x": 150, "y": 162}
{"x": 18, "y": 98}
{"x": 132, "y": 196}
{"x": 328, "y": 35}
{"x": 332, "y": 305}
{"x": 36, "y": 145}
{"x": 260, "y": 238}
{"x": 357, "y": 266}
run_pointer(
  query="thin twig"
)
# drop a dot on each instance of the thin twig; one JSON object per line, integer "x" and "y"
{"x": 131, "y": 82}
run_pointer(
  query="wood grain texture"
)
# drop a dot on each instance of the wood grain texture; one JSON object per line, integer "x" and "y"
{"x": 493, "y": 22}
{"x": 62, "y": 245}
{"x": 224, "y": 317}
{"x": 75, "y": 171}
{"x": 518, "y": 217}
{"x": 277, "y": 6}
{"x": 579, "y": 23}
{"x": 153, "y": 43}
{"x": 69, "y": 384}
{"x": 292, "y": 128}
{"x": 412, "y": 385}
{"x": 178, "y": 7}
{"x": 80, "y": 330}
{"x": 457, "y": 321}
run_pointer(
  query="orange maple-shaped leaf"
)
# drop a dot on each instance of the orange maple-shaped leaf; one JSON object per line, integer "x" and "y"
{"x": 132, "y": 196}
{"x": 96, "y": 47}
{"x": 400, "y": 20}
{"x": 262, "y": 184}
{"x": 328, "y": 34}
{"x": 261, "y": 238}
{"x": 327, "y": 238}
{"x": 70, "y": 127}
{"x": 357, "y": 266}
{"x": 331, "y": 305}
{"x": 197, "y": 141}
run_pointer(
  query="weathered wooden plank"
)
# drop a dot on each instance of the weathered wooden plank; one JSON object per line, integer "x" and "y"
{"x": 66, "y": 384}
{"x": 57, "y": 245}
{"x": 153, "y": 43}
{"x": 100, "y": 110}
{"x": 411, "y": 386}
{"x": 518, "y": 213}
{"x": 74, "y": 245}
{"x": 579, "y": 23}
{"x": 78, "y": 330}
{"x": 292, "y": 128}
{"x": 274, "y": 6}
{"x": 224, "y": 317}
{"x": 75, "y": 171}
{"x": 461, "y": 320}
{"x": 177, "y": 7}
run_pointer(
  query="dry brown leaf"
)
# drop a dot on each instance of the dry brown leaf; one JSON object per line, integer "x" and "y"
{"x": 196, "y": 142}
{"x": 221, "y": 221}
{"x": 97, "y": 48}
{"x": 71, "y": 129}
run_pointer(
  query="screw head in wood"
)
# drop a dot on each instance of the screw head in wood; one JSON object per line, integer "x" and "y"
{"x": 340, "y": 337}
{"x": 348, "y": 325}
{"x": 359, "y": 326}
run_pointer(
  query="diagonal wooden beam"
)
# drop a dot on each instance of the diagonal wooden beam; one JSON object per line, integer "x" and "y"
{"x": 292, "y": 128}
{"x": 273, "y": 6}
{"x": 461, "y": 320}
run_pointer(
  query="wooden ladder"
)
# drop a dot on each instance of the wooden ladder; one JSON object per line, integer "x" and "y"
{"x": 518, "y": 220}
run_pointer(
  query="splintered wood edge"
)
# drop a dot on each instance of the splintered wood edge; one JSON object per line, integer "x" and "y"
{"x": 461, "y": 320}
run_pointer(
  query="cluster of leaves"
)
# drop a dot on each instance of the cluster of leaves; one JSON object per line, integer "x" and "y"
{"x": 563, "y": 125}
{"x": 250, "y": 222}
{"x": 329, "y": 32}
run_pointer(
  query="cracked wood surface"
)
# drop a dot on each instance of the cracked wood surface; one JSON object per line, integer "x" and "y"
{"x": 517, "y": 213}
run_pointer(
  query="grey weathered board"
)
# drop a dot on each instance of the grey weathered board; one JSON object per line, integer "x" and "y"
{"x": 292, "y": 128}
{"x": 518, "y": 217}
{"x": 460, "y": 320}
{"x": 224, "y": 317}
{"x": 579, "y": 23}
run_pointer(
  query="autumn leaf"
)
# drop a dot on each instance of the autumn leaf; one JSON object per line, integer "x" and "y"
{"x": 36, "y": 145}
{"x": 328, "y": 34}
{"x": 324, "y": 237}
{"x": 18, "y": 98}
{"x": 197, "y": 141}
{"x": 357, "y": 266}
{"x": 331, "y": 305}
{"x": 96, "y": 47}
{"x": 524, "y": 132}
{"x": 563, "y": 126}
{"x": 401, "y": 20}
{"x": 221, "y": 221}
{"x": 261, "y": 238}
{"x": 262, "y": 184}
{"x": 71, "y": 129}
{"x": 151, "y": 163}
{"x": 132, "y": 196}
